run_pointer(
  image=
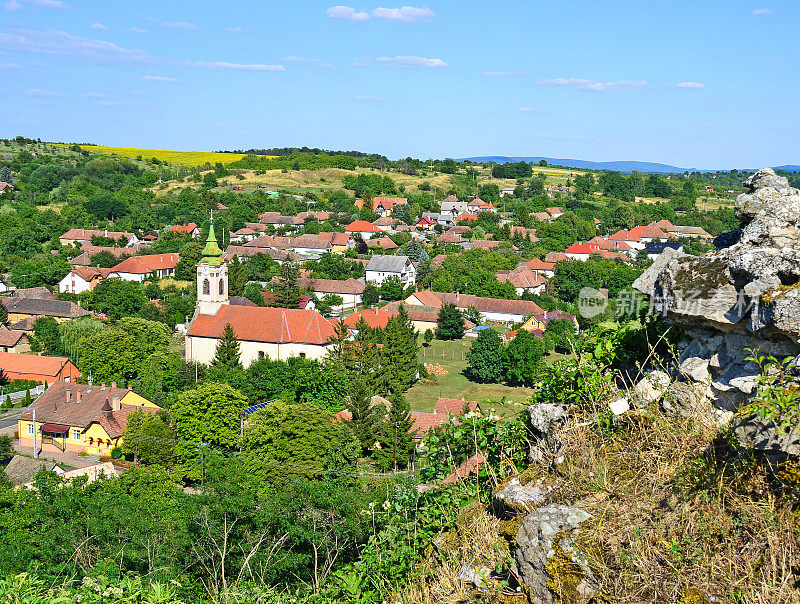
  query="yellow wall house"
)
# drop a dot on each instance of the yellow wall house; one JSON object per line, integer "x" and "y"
{"x": 80, "y": 417}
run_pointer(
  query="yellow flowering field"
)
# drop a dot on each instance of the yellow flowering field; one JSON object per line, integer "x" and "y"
{"x": 183, "y": 158}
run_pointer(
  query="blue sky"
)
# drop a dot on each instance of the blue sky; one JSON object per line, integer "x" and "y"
{"x": 696, "y": 84}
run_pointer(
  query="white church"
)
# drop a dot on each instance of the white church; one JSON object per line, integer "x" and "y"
{"x": 263, "y": 332}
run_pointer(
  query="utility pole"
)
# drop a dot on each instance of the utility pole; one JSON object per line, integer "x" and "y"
{"x": 35, "y": 448}
{"x": 394, "y": 463}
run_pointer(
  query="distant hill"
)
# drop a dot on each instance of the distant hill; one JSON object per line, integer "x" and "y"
{"x": 620, "y": 166}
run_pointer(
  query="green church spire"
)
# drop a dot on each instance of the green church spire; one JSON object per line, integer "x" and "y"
{"x": 212, "y": 254}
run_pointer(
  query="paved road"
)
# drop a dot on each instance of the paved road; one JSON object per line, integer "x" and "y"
{"x": 10, "y": 420}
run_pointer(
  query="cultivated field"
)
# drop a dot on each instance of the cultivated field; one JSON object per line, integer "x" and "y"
{"x": 177, "y": 158}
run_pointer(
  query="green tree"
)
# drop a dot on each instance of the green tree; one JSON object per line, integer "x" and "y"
{"x": 400, "y": 350}
{"x": 322, "y": 384}
{"x": 149, "y": 438}
{"x": 428, "y": 335}
{"x": 227, "y": 354}
{"x": 364, "y": 418}
{"x": 122, "y": 353}
{"x": 237, "y": 277}
{"x": 485, "y": 357}
{"x": 395, "y": 435}
{"x": 450, "y": 323}
{"x": 522, "y": 357}
{"x": 117, "y": 298}
{"x": 191, "y": 254}
{"x": 46, "y": 331}
{"x": 288, "y": 440}
{"x": 391, "y": 289}
{"x": 371, "y": 295}
{"x": 210, "y": 180}
{"x": 287, "y": 292}
{"x": 3, "y": 315}
{"x": 209, "y": 414}
{"x": 254, "y": 293}
{"x": 104, "y": 259}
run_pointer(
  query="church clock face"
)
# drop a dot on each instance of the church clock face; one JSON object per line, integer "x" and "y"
{"x": 205, "y": 270}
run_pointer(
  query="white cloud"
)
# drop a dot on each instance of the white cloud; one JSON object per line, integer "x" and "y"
{"x": 137, "y": 30}
{"x": 158, "y": 78}
{"x": 347, "y": 13}
{"x": 762, "y": 11}
{"x": 506, "y": 74}
{"x": 53, "y": 42}
{"x": 317, "y": 62}
{"x": 405, "y": 14}
{"x": 234, "y": 30}
{"x": 695, "y": 85}
{"x": 40, "y": 92}
{"x": 15, "y": 5}
{"x": 98, "y": 26}
{"x": 61, "y": 43}
{"x": 411, "y": 61}
{"x": 583, "y": 84}
{"x": 373, "y": 99}
{"x": 9, "y": 66}
{"x": 179, "y": 25}
{"x": 236, "y": 66}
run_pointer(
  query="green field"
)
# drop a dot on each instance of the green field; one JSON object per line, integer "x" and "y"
{"x": 451, "y": 355}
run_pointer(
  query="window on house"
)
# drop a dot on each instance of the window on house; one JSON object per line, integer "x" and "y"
{"x": 302, "y": 355}
{"x": 30, "y": 429}
{"x": 260, "y": 354}
{"x": 222, "y": 287}
{"x": 206, "y": 287}
{"x": 76, "y": 435}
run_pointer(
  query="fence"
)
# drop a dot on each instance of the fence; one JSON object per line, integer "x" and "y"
{"x": 442, "y": 354}
{"x": 16, "y": 397}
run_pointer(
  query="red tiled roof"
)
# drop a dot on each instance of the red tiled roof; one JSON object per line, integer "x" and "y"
{"x": 466, "y": 216}
{"x": 539, "y": 265}
{"x": 646, "y": 232}
{"x": 87, "y": 273}
{"x": 453, "y": 406}
{"x": 31, "y": 363}
{"x": 543, "y": 216}
{"x": 361, "y": 226}
{"x": 87, "y": 234}
{"x": 387, "y": 202}
{"x": 470, "y": 466}
{"x": 554, "y": 257}
{"x": 334, "y": 238}
{"x": 143, "y": 265}
{"x": 422, "y": 422}
{"x": 428, "y": 298}
{"x": 425, "y": 221}
{"x": 623, "y": 235}
{"x": 180, "y": 228}
{"x": 583, "y": 248}
{"x": 376, "y": 318}
{"x": 265, "y": 324}
{"x": 10, "y": 337}
{"x": 384, "y": 242}
{"x": 522, "y": 277}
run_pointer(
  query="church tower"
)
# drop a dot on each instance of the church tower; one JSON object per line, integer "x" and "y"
{"x": 212, "y": 277}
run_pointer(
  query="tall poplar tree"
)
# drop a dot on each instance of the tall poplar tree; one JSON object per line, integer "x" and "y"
{"x": 400, "y": 362}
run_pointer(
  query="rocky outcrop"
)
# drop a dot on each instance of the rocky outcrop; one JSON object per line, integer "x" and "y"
{"x": 548, "y": 560}
{"x": 740, "y": 298}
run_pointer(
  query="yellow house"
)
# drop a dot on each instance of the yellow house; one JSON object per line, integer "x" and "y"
{"x": 540, "y": 321}
{"x": 80, "y": 417}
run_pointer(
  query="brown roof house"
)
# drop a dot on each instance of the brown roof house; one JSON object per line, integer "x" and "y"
{"x": 138, "y": 268}
{"x": 87, "y": 418}
{"x": 82, "y": 279}
{"x": 24, "y": 308}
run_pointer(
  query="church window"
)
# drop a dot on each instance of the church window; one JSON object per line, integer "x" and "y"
{"x": 206, "y": 287}
{"x": 222, "y": 287}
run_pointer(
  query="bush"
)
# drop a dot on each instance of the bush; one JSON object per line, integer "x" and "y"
{"x": 116, "y": 453}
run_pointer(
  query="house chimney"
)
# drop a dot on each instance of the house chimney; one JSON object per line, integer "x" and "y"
{"x": 113, "y": 384}
{"x": 78, "y": 396}
{"x": 103, "y": 386}
{"x": 69, "y": 395}
{"x": 115, "y": 403}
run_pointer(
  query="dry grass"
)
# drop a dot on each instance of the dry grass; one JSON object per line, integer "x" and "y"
{"x": 477, "y": 544}
{"x": 180, "y": 158}
{"x": 666, "y": 520}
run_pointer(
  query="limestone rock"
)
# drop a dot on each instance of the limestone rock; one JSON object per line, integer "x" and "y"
{"x": 766, "y": 436}
{"x": 546, "y": 553}
{"x": 479, "y": 576}
{"x": 516, "y": 497}
{"x": 545, "y": 417}
{"x": 651, "y": 387}
{"x": 696, "y": 368}
{"x": 619, "y": 406}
